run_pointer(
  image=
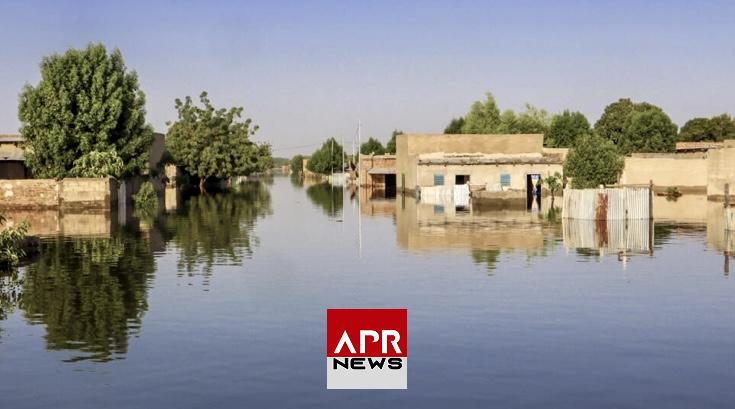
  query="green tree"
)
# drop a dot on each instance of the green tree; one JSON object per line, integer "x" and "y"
{"x": 565, "y": 129}
{"x": 208, "y": 142}
{"x": 716, "y": 129}
{"x": 532, "y": 120}
{"x": 327, "y": 158}
{"x": 593, "y": 161}
{"x": 390, "y": 147}
{"x": 649, "y": 131}
{"x": 553, "y": 183}
{"x": 616, "y": 116}
{"x": 483, "y": 118}
{"x": 297, "y": 164}
{"x": 455, "y": 126}
{"x": 372, "y": 146}
{"x": 86, "y": 102}
{"x": 695, "y": 130}
{"x": 721, "y": 127}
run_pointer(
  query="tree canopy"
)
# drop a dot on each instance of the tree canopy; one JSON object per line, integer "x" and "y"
{"x": 209, "y": 142}
{"x": 372, "y": 146}
{"x": 297, "y": 164}
{"x": 649, "y": 131}
{"x": 327, "y": 158}
{"x": 85, "y": 117}
{"x": 455, "y": 126}
{"x": 593, "y": 161}
{"x": 483, "y": 118}
{"x": 717, "y": 129}
{"x": 390, "y": 147}
{"x": 565, "y": 129}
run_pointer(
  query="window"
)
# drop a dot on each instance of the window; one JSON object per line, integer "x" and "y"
{"x": 438, "y": 180}
{"x": 505, "y": 180}
{"x": 438, "y": 209}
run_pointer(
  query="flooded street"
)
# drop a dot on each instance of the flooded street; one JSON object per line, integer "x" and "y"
{"x": 222, "y": 304}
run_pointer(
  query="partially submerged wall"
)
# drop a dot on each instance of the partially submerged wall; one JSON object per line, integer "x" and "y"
{"x": 687, "y": 171}
{"x": 96, "y": 193}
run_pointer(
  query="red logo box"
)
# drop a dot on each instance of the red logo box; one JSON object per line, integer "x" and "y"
{"x": 367, "y": 348}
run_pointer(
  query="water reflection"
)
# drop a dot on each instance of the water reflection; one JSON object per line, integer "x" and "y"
{"x": 327, "y": 197}
{"x": 217, "y": 228}
{"x": 90, "y": 293}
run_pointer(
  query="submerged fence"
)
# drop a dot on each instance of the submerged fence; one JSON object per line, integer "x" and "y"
{"x": 624, "y": 203}
{"x": 608, "y": 235}
{"x": 457, "y": 194}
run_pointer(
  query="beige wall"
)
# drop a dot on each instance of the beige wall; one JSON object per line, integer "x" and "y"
{"x": 368, "y": 162}
{"x": 720, "y": 170}
{"x": 486, "y": 174}
{"x": 410, "y": 146}
{"x": 65, "y": 193}
{"x": 688, "y": 170}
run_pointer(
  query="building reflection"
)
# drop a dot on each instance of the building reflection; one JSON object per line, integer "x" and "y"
{"x": 486, "y": 231}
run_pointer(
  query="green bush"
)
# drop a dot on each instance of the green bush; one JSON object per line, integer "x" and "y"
{"x": 146, "y": 198}
{"x": 11, "y": 239}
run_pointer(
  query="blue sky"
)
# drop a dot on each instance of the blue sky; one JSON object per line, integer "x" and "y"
{"x": 305, "y": 71}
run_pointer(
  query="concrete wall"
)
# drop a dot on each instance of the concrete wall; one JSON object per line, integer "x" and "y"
{"x": 720, "y": 170}
{"x": 687, "y": 171}
{"x": 97, "y": 193}
{"x": 486, "y": 174}
{"x": 410, "y": 146}
{"x": 368, "y": 162}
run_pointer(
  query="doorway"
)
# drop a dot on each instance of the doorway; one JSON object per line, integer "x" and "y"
{"x": 390, "y": 185}
{"x": 533, "y": 191}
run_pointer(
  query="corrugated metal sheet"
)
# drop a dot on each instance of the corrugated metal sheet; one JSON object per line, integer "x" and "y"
{"x": 730, "y": 218}
{"x": 610, "y": 235}
{"x": 626, "y": 203}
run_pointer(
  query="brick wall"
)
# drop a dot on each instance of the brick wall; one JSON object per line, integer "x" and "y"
{"x": 97, "y": 193}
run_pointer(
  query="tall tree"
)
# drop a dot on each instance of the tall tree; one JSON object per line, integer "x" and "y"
{"x": 616, "y": 116}
{"x": 390, "y": 147}
{"x": 209, "y": 142}
{"x": 721, "y": 127}
{"x": 695, "y": 130}
{"x": 86, "y": 104}
{"x": 327, "y": 158}
{"x": 565, "y": 129}
{"x": 455, "y": 126}
{"x": 649, "y": 131}
{"x": 483, "y": 118}
{"x": 297, "y": 164}
{"x": 532, "y": 120}
{"x": 593, "y": 161}
{"x": 372, "y": 147}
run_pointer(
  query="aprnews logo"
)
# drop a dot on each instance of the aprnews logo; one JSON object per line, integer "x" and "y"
{"x": 367, "y": 348}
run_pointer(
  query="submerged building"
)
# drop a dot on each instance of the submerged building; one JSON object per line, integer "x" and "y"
{"x": 492, "y": 165}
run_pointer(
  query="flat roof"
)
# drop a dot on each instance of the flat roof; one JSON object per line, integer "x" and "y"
{"x": 480, "y": 160}
{"x": 12, "y": 138}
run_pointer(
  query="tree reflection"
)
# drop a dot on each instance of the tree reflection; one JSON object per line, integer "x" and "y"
{"x": 329, "y": 198}
{"x": 217, "y": 229}
{"x": 487, "y": 257}
{"x": 90, "y": 293}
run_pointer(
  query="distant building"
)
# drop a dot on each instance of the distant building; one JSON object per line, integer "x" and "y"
{"x": 12, "y": 158}
{"x": 489, "y": 163}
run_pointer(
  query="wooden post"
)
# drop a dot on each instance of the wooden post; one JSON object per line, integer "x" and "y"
{"x": 727, "y": 195}
{"x": 650, "y": 199}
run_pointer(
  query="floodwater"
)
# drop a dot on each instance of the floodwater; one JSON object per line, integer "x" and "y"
{"x": 222, "y": 302}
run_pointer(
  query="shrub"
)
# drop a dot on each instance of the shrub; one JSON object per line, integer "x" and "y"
{"x": 11, "y": 240}
{"x": 146, "y": 198}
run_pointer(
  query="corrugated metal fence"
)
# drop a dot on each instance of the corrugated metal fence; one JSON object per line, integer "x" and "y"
{"x": 622, "y": 203}
{"x": 730, "y": 218}
{"x": 610, "y": 235}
